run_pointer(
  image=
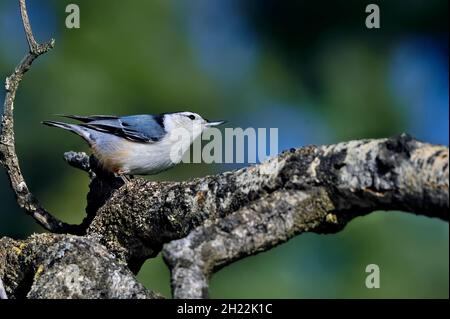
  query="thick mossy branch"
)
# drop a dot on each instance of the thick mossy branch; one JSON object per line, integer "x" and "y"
{"x": 53, "y": 266}
{"x": 262, "y": 225}
{"x": 235, "y": 214}
{"x": 320, "y": 190}
{"x": 212, "y": 221}
{"x": 399, "y": 173}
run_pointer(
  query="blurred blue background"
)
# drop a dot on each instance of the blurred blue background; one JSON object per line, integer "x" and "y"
{"x": 311, "y": 69}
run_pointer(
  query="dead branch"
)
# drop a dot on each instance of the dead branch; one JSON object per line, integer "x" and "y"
{"x": 8, "y": 156}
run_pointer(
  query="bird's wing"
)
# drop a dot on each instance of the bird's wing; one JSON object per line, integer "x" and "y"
{"x": 90, "y": 118}
{"x": 136, "y": 128}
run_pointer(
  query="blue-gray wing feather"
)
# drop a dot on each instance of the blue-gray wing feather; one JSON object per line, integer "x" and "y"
{"x": 144, "y": 128}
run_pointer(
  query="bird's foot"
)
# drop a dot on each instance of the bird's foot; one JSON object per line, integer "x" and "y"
{"x": 125, "y": 178}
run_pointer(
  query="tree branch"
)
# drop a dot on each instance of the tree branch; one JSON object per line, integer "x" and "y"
{"x": 322, "y": 195}
{"x": 8, "y": 156}
{"x": 64, "y": 266}
{"x": 35, "y": 48}
{"x": 212, "y": 221}
{"x": 399, "y": 173}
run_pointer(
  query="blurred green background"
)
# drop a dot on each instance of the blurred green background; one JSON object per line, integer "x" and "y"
{"x": 311, "y": 69}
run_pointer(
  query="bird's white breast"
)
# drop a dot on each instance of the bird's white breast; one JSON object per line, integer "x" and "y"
{"x": 132, "y": 158}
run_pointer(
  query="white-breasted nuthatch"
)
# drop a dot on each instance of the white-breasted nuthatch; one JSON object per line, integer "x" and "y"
{"x": 137, "y": 144}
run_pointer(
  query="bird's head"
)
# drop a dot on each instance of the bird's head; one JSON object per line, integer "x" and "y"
{"x": 190, "y": 122}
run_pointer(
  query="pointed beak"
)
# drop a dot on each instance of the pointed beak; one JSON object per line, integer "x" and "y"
{"x": 214, "y": 123}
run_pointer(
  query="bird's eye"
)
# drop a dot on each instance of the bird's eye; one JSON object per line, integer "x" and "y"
{"x": 192, "y": 117}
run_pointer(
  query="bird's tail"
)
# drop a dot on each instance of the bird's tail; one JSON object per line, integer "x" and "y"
{"x": 77, "y": 129}
{"x": 65, "y": 126}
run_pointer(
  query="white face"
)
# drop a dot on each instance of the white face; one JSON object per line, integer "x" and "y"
{"x": 189, "y": 121}
{"x": 182, "y": 129}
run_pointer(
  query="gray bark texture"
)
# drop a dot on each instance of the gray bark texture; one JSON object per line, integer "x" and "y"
{"x": 203, "y": 224}
{"x": 56, "y": 266}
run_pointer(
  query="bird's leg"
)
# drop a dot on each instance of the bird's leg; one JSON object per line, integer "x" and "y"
{"x": 126, "y": 179}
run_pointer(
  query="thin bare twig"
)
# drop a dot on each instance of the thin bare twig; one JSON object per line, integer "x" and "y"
{"x": 26, "y": 25}
{"x": 8, "y": 156}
